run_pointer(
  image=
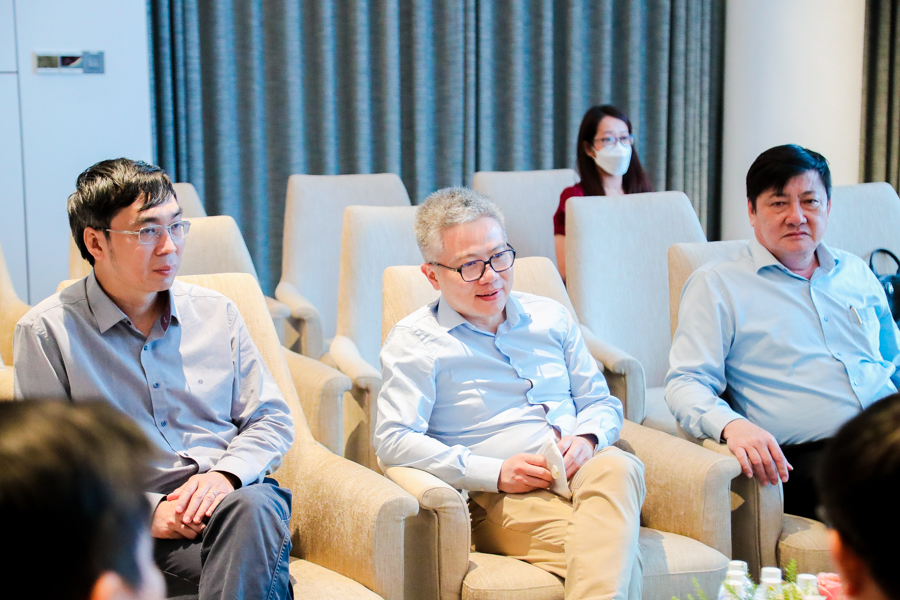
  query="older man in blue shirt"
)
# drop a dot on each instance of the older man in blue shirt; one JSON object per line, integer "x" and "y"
{"x": 478, "y": 381}
{"x": 179, "y": 360}
{"x": 778, "y": 347}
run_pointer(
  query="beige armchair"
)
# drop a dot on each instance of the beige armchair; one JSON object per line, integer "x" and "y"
{"x": 373, "y": 238}
{"x": 347, "y": 523}
{"x": 529, "y": 200}
{"x": 762, "y": 534}
{"x": 311, "y": 251}
{"x": 685, "y": 518}
{"x": 214, "y": 245}
{"x": 865, "y": 217}
{"x": 189, "y": 200}
{"x": 617, "y": 279}
{"x": 11, "y": 310}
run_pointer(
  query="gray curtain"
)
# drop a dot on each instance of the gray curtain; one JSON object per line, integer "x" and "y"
{"x": 881, "y": 94}
{"x": 248, "y": 92}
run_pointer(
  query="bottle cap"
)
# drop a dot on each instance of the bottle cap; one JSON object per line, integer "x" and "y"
{"x": 737, "y": 565}
{"x": 808, "y": 584}
{"x": 770, "y": 573}
{"x": 734, "y": 573}
{"x": 813, "y": 597}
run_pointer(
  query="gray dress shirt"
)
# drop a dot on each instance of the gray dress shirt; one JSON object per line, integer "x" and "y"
{"x": 197, "y": 385}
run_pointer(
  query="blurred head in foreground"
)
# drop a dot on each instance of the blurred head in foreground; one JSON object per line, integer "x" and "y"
{"x": 72, "y": 506}
{"x": 859, "y": 483}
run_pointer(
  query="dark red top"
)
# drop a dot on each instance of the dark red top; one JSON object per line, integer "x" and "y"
{"x": 559, "y": 219}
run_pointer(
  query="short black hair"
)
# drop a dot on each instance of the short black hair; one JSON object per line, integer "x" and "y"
{"x": 858, "y": 481}
{"x": 107, "y": 187}
{"x": 72, "y": 479}
{"x": 776, "y": 166}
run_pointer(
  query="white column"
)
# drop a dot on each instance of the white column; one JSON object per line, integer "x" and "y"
{"x": 793, "y": 74}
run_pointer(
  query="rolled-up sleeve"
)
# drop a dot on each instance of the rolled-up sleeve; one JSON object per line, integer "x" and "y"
{"x": 405, "y": 403}
{"x": 700, "y": 346}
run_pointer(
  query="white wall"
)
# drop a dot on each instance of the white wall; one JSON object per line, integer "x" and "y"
{"x": 793, "y": 74}
{"x": 12, "y": 196}
{"x": 71, "y": 121}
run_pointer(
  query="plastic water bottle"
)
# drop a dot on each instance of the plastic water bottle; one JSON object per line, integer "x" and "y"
{"x": 735, "y": 581}
{"x": 807, "y": 584}
{"x": 739, "y": 565}
{"x": 769, "y": 586}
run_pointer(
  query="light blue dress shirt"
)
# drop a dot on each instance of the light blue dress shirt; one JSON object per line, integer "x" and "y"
{"x": 197, "y": 386}
{"x": 798, "y": 357}
{"x": 457, "y": 401}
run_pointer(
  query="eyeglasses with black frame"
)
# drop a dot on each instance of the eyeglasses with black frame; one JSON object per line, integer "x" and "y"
{"x": 474, "y": 270}
{"x": 152, "y": 234}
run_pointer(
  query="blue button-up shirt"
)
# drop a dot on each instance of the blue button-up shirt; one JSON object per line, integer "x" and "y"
{"x": 457, "y": 401}
{"x": 797, "y": 357}
{"x": 196, "y": 386}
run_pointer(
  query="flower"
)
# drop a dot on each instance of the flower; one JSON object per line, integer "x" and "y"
{"x": 830, "y": 586}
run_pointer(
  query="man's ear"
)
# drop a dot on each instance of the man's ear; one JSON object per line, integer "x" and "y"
{"x": 751, "y": 213}
{"x": 96, "y": 243}
{"x": 429, "y": 271}
{"x": 850, "y": 566}
{"x": 110, "y": 586}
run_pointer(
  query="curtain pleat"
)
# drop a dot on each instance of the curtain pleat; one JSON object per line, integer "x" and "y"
{"x": 880, "y": 144}
{"x": 248, "y": 92}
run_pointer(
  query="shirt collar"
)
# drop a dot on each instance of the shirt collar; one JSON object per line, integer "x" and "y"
{"x": 449, "y": 319}
{"x": 763, "y": 258}
{"x": 108, "y": 314}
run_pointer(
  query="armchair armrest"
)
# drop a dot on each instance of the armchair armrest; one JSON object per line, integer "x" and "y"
{"x": 623, "y": 373}
{"x": 366, "y": 387}
{"x": 347, "y": 518}
{"x": 438, "y": 538}
{"x": 6, "y": 383}
{"x": 688, "y": 487}
{"x": 304, "y": 319}
{"x": 321, "y": 391}
{"x": 279, "y": 312}
{"x": 757, "y": 512}
{"x": 13, "y": 310}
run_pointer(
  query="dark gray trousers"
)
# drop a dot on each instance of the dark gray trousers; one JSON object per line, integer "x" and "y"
{"x": 242, "y": 553}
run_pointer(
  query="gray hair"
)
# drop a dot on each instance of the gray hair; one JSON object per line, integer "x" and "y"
{"x": 446, "y": 208}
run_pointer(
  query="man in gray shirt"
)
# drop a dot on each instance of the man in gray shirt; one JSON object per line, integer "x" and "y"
{"x": 179, "y": 360}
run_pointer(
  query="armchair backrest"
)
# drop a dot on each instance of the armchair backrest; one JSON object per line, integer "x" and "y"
{"x": 313, "y": 219}
{"x": 617, "y": 271}
{"x": 215, "y": 245}
{"x": 189, "y": 200}
{"x": 374, "y": 238}
{"x": 406, "y": 289}
{"x": 529, "y": 200}
{"x": 684, "y": 259}
{"x": 865, "y": 217}
{"x": 11, "y": 310}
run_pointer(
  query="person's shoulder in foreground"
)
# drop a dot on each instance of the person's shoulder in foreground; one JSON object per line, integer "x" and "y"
{"x": 858, "y": 483}
{"x": 71, "y": 476}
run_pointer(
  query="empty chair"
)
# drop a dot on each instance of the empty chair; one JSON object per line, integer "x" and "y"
{"x": 618, "y": 281}
{"x": 865, "y": 217}
{"x": 373, "y": 238}
{"x": 685, "y": 514}
{"x": 762, "y": 534}
{"x": 529, "y": 200}
{"x": 314, "y": 211}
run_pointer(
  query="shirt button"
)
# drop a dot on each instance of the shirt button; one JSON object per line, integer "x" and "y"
{"x": 145, "y": 348}
{"x": 155, "y": 386}
{"x": 163, "y": 423}
{"x": 838, "y": 354}
{"x": 853, "y": 382}
{"x": 826, "y": 319}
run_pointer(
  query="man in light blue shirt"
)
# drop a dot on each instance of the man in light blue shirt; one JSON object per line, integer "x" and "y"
{"x": 780, "y": 345}
{"x": 179, "y": 361}
{"x": 474, "y": 385}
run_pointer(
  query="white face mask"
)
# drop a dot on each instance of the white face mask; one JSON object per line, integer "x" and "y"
{"x": 614, "y": 159}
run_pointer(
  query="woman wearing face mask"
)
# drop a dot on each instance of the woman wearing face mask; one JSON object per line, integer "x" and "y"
{"x": 608, "y": 164}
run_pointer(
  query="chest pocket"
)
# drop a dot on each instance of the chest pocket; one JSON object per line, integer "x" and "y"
{"x": 866, "y": 329}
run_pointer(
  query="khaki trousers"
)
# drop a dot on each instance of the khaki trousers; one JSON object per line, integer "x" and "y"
{"x": 590, "y": 541}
